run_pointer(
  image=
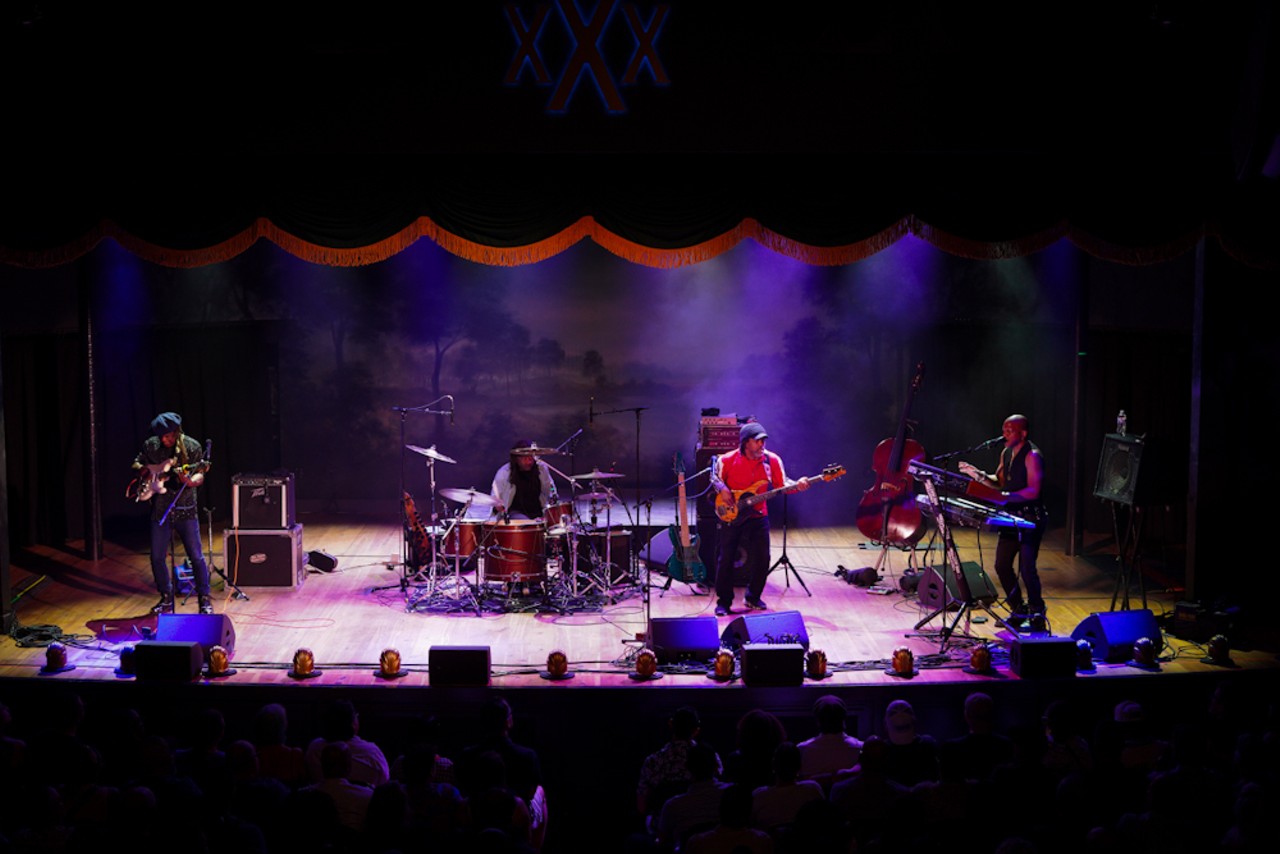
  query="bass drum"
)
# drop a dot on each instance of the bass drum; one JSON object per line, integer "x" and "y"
{"x": 515, "y": 551}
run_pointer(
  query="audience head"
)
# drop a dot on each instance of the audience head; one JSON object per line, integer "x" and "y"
{"x": 979, "y": 712}
{"x": 339, "y": 721}
{"x": 270, "y": 724}
{"x": 900, "y": 722}
{"x": 831, "y": 713}
{"x": 701, "y": 762}
{"x": 335, "y": 761}
{"x": 685, "y": 723}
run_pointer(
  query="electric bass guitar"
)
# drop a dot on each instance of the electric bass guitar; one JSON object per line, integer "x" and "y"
{"x": 151, "y": 478}
{"x": 730, "y": 510}
{"x": 684, "y": 563}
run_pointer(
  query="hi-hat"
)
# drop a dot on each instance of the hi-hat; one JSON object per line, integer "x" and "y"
{"x": 597, "y": 496}
{"x": 432, "y": 453}
{"x": 596, "y": 474}
{"x": 468, "y": 496}
{"x": 533, "y": 451}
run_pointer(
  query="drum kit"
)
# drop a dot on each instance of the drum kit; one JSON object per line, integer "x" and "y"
{"x": 477, "y": 560}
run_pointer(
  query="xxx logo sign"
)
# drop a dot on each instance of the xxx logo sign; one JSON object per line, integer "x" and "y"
{"x": 588, "y": 38}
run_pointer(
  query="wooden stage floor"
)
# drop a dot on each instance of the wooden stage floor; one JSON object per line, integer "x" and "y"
{"x": 349, "y": 615}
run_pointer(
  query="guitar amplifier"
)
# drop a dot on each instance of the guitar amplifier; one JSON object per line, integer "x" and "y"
{"x": 264, "y": 558}
{"x": 262, "y": 501}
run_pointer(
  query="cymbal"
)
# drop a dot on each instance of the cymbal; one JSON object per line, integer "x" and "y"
{"x": 533, "y": 451}
{"x": 597, "y": 496}
{"x": 432, "y": 453}
{"x": 473, "y": 496}
{"x": 596, "y": 474}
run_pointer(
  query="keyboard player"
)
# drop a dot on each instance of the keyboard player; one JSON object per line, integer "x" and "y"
{"x": 1018, "y": 477}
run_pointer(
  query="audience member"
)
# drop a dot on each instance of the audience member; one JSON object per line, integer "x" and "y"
{"x": 339, "y": 722}
{"x": 912, "y": 757}
{"x": 276, "y": 758}
{"x": 776, "y": 805}
{"x": 665, "y": 772}
{"x": 734, "y": 833}
{"x": 832, "y": 749}
{"x": 699, "y": 807}
{"x": 751, "y": 764}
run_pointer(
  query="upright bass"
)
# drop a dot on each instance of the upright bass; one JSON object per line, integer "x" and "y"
{"x": 887, "y": 512}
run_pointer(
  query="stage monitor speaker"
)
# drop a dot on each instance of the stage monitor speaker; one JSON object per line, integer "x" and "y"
{"x": 657, "y": 551}
{"x": 458, "y": 666}
{"x": 930, "y": 589}
{"x": 1112, "y": 633}
{"x": 778, "y": 627}
{"x": 208, "y": 630}
{"x": 1118, "y": 468}
{"x": 675, "y": 639}
{"x": 773, "y": 664}
{"x": 262, "y": 501}
{"x": 1042, "y": 657}
{"x": 167, "y": 661}
{"x": 264, "y": 558}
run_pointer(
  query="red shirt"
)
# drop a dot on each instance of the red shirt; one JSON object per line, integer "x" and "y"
{"x": 738, "y": 473}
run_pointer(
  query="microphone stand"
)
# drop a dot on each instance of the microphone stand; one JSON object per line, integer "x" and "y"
{"x": 424, "y": 409}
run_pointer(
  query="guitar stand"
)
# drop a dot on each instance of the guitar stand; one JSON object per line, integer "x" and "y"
{"x": 238, "y": 594}
{"x": 784, "y": 561}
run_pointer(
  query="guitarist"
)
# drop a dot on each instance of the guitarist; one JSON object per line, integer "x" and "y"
{"x": 169, "y": 444}
{"x": 750, "y": 465}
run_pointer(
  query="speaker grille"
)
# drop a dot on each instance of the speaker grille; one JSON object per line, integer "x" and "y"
{"x": 1118, "y": 468}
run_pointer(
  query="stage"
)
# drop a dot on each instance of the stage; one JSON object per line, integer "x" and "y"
{"x": 368, "y": 602}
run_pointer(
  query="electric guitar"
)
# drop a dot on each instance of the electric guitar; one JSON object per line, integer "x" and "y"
{"x": 151, "y": 479}
{"x": 684, "y": 564}
{"x": 730, "y": 510}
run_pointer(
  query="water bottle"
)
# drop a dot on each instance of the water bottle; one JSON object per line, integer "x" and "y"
{"x": 1122, "y": 423}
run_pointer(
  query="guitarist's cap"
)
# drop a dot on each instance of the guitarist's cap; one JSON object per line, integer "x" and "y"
{"x": 752, "y": 430}
{"x": 166, "y": 422}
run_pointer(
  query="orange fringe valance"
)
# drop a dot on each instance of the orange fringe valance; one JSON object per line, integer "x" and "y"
{"x": 629, "y": 250}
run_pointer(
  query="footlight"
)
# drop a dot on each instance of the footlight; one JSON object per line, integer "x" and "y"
{"x": 389, "y": 665}
{"x": 219, "y": 666}
{"x": 1144, "y": 655}
{"x": 722, "y": 667}
{"x": 646, "y": 666}
{"x": 55, "y": 660}
{"x": 902, "y": 664}
{"x": 980, "y": 661}
{"x": 557, "y": 666}
{"x": 815, "y": 664}
{"x": 304, "y": 665}
{"x": 1219, "y": 652}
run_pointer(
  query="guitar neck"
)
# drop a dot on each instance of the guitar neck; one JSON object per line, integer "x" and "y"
{"x": 683, "y": 505}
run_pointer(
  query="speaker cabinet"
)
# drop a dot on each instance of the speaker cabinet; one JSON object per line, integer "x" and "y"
{"x": 675, "y": 639}
{"x": 167, "y": 661}
{"x": 458, "y": 666}
{"x": 1042, "y": 657}
{"x": 1118, "y": 468}
{"x": 773, "y": 664}
{"x": 1112, "y": 633}
{"x": 779, "y": 627}
{"x": 931, "y": 588}
{"x": 264, "y": 558}
{"x": 208, "y": 630}
{"x": 262, "y": 501}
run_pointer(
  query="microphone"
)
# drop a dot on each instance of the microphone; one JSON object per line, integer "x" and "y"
{"x": 208, "y": 449}
{"x": 591, "y": 411}
{"x": 990, "y": 442}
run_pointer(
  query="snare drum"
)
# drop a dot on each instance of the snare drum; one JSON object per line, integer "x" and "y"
{"x": 462, "y": 539}
{"x": 514, "y": 550}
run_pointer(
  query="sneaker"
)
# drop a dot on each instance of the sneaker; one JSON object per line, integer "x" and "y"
{"x": 756, "y": 605}
{"x": 164, "y": 606}
{"x": 723, "y": 610}
{"x": 206, "y": 606}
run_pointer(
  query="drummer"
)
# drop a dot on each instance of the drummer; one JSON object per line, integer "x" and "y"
{"x": 523, "y": 488}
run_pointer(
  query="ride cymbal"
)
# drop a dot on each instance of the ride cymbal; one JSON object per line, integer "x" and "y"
{"x": 596, "y": 474}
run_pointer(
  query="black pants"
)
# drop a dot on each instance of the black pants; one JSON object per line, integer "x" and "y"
{"x": 1025, "y": 546}
{"x": 752, "y": 536}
